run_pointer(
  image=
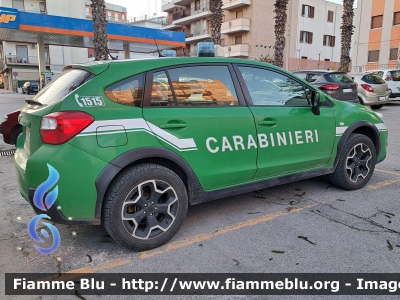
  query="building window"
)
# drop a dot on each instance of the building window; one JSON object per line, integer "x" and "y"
{"x": 222, "y": 42}
{"x": 307, "y": 11}
{"x": 18, "y": 4}
{"x": 304, "y": 57}
{"x": 373, "y": 56}
{"x": 376, "y": 22}
{"x": 197, "y": 5}
{"x": 330, "y": 16}
{"x": 393, "y": 53}
{"x": 327, "y": 59}
{"x": 42, "y": 7}
{"x": 239, "y": 14}
{"x": 329, "y": 40}
{"x": 396, "y": 18}
{"x": 306, "y": 37}
{"x": 238, "y": 39}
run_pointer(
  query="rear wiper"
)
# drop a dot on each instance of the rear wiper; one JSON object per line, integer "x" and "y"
{"x": 33, "y": 102}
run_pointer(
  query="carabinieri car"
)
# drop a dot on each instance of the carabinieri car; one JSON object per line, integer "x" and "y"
{"x": 137, "y": 141}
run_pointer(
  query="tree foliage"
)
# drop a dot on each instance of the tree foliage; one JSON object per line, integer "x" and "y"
{"x": 216, "y": 20}
{"x": 280, "y": 28}
{"x": 99, "y": 27}
{"x": 347, "y": 30}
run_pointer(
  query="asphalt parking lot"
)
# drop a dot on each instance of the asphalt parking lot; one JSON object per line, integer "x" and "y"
{"x": 302, "y": 227}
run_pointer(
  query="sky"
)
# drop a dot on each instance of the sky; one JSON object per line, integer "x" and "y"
{"x": 139, "y": 8}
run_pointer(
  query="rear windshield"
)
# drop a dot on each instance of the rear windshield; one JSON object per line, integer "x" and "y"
{"x": 64, "y": 84}
{"x": 395, "y": 75}
{"x": 338, "y": 77}
{"x": 372, "y": 79}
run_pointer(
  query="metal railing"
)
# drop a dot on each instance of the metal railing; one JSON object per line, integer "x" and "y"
{"x": 194, "y": 11}
{"x": 14, "y": 59}
{"x": 361, "y": 69}
{"x": 198, "y": 32}
{"x": 166, "y": 1}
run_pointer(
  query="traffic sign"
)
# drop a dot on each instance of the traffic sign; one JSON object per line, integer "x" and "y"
{"x": 15, "y": 74}
{"x": 47, "y": 73}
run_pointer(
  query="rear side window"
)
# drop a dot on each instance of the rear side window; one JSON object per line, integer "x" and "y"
{"x": 64, "y": 84}
{"x": 372, "y": 79}
{"x": 338, "y": 78}
{"x": 203, "y": 86}
{"x": 395, "y": 75}
{"x": 128, "y": 91}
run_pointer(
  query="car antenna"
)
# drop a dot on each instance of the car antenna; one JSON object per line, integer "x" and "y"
{"x": 159, "y": 53}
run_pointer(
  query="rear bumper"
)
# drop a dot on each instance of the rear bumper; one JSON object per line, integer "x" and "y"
{"x": 394, "y": 95}
{"x": 373, "y": 99}
{"x": 6, "y": 132}
{"x": 56, "y": 215}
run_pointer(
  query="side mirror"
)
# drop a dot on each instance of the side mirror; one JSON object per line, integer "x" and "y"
{"x": 315, "y": 103}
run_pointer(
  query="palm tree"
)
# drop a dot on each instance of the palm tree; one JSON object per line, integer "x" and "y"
{"x": 216, "y": 20}
{"x": 280, "y": 28}
{"x": 99, "y": 27}
{"x": 347, "y": 30}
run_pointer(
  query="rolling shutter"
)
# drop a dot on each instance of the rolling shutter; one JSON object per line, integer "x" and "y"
{"x": 373, "y": 56}
{"x": 22, "y": 53}
{"x": 376, "y": 22}
{"x": 393, "y": 54}
{"x": 396, "y": 18}
{"x": 310, "y": 37}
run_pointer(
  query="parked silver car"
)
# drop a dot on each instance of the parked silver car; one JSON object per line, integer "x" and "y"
{"x": 372, "y": 89}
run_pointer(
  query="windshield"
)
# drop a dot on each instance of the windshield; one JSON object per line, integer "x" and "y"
{"x": 339, "y": 78}
{"x": 372, "y": 79}
{"x": 64, "y": 84}
{"x": 395, "y": 75}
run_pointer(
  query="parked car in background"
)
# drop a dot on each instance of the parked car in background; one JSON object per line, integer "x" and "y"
{"x": 372, "y": 89}
{"x": 30, "y": 88}
{"x": 336, "y": 84}
{"x": 10, "y": 128}
{"x": 392, "y": 78}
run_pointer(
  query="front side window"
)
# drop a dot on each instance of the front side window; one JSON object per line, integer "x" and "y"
{"x": 203, "y": 86}
{"x": 271, "y": 88}
{"x": 128, "y": 91}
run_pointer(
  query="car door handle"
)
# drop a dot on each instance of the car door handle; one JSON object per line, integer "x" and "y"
{"x": 173, "y": 125}
{"x": 268, "y": 122}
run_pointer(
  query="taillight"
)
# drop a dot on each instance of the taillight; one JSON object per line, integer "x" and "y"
{"x": 330, "y": 87}
{"x": 388, "y": 78}
{"x": 58, "y": 128}
{"x": 367, "y": 87}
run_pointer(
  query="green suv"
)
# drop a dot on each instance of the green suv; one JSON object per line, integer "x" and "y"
{"x": 135, "y": 142}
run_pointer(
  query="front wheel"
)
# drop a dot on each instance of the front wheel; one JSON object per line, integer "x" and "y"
{"x": 376, "y": 106}
{"x": 145, "y": 206}
{"x": 356, "y": 163}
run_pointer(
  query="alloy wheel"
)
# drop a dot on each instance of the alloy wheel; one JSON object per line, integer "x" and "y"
{"x": 358, "y": 162}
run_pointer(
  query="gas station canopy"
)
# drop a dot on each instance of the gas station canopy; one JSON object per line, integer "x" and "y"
{"x": 24, "y": 27}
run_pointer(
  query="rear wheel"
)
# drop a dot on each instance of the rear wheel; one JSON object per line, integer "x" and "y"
{"x": 376, "y": 106}
{"x": 356, "y": 163}
{"x": 145, "y": 206}
{"x": 360, "y": 101}
{"x": 16, "y": 132}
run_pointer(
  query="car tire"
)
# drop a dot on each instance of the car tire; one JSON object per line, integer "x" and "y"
{"x": 143, "y": 194}
{"x": 356, "y": 163}
{"x": 360, "y": 101}
{"x": 16, "y": 132}
{"x": 377, "y": 106}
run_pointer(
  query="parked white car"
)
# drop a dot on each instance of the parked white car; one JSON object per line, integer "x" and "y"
{"x": 392, "y": 78}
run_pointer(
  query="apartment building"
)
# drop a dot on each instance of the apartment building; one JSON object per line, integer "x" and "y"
{"x": 377, "y": 35}
{"x": 313, "y": 38}
{"x": 114, "y": 13}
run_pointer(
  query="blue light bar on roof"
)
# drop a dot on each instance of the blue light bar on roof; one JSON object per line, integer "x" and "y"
{"x": 205, "y": 49}
{"x": 168, "y": 53}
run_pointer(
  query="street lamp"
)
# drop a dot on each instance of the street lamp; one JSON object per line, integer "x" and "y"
{"x": 319, "y": 58}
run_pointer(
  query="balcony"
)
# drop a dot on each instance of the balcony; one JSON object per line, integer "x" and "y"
{"x": 187, "y": 17}
{"x": 233, "y": 4}
{"x": 239, "y": 50}
{"x": 182, "y": 2}
{"x": 26, "y": 60}
{"x": 167, "y": 5}
{"x": 115, "y": 20}
{"x": 236, "y": 25}
{"x": 197, "y": 35}
{"x": 169, "y": 25}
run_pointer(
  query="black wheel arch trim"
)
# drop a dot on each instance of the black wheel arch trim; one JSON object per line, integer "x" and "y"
{"x": 351, "y": 129}
{"x": 119, "y": 163}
